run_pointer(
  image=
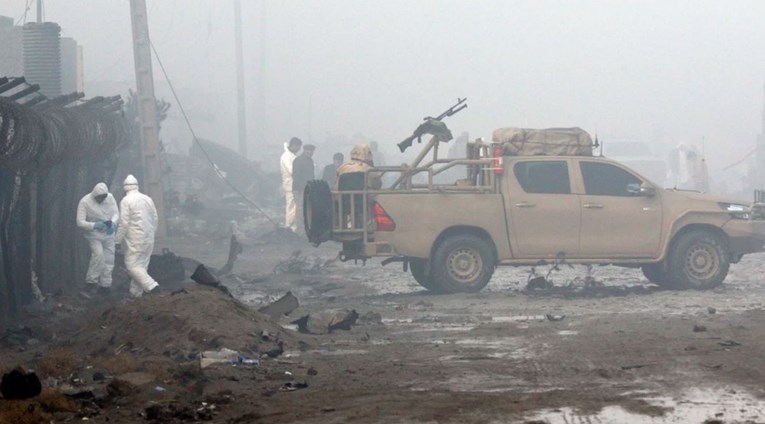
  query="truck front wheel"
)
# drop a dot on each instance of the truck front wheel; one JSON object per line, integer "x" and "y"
{"x": 462, "y": 263}
{"x": 698, "y": 260}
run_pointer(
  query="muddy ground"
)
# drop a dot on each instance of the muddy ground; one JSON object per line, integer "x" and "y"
{"x": 610, "y": 348}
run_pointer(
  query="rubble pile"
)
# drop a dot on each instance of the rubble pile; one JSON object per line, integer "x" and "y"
{"x": 141, "y": 354}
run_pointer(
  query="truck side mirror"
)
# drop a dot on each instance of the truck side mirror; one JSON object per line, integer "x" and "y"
{"x": 643, "y": 190}
{"x": 647, "y": 190}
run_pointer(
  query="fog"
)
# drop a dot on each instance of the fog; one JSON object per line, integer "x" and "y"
{"x": 655, "y": 71}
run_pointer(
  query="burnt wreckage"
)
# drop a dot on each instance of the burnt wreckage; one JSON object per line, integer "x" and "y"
{"x": 52, "y": 150}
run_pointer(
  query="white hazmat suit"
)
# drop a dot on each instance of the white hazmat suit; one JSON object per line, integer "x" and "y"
{"x": 90, "y": 213}
{"x": 285, "y": 165}
{"x": 137, "y": 225}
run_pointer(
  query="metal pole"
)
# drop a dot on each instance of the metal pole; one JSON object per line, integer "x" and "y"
{"x": 147, "y": 111}
{"x": 39, "y": 11}
{"x": 240, "y": 79}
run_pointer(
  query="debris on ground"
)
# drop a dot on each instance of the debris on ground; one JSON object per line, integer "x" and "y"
{"x": 234, "y": 250}
{"x": 298, "y": 263}
{"x": 166, "y": 268}
{"x": 539, "y": 283}
{"x": 283, "y": 306}
{"x": 729, "y": 343}
{"x": 223, "y": 355}
{"x": 711, "y": 310}
{"x": 19, "y": 384}
{"x": 699, "y": 328}
{"x": 293, "y": 385}
{"x": 203, "y": 276}
{"x": 327, "y": 321}
{"x": 551, "y": 317}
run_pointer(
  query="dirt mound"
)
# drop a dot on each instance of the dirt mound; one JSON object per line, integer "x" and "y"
{"x": 181, "y": 324}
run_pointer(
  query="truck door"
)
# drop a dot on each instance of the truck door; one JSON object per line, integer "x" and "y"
{"x": 545, "y": 215}
{"x": 617, "y": 219}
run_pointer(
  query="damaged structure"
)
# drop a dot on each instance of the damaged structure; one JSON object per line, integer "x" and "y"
{"x": 52, "y": 150}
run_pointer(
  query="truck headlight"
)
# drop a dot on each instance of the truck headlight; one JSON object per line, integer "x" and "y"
{"x": 737, "y": 211}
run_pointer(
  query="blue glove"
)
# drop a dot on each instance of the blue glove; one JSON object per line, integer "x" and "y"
{"x": 99, "y": 226}
{"x": 110, "y": 229}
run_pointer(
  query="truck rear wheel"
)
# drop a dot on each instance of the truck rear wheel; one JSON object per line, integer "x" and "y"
{"x": 698, "y": 260}
{"x": 462, "y": 263}
{"x": 317, "y": 211}
{"x": 420, "y": 269}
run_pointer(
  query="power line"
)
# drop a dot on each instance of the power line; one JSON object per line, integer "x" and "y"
{"x": 196, "y": 140}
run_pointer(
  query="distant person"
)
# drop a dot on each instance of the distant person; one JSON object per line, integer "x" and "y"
{"x": 330, "y": 171}
{"x": 302, "y": 172}
{"x": 285, "y": 165}
{"x": 137, "y": 226}
{"x": 97, "y": 216}
{"x": 361, "y": 160}
{"x": 458, "y": 149}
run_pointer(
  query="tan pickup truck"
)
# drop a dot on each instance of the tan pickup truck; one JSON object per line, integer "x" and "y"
{"x": 529, "y": 210}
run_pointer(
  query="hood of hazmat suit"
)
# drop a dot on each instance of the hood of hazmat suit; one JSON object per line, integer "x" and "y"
{"x": 89, "y": 211}
{"x": 138, "y": 217}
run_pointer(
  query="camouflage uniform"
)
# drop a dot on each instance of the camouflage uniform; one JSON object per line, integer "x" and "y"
{"x": 361, "y": 160}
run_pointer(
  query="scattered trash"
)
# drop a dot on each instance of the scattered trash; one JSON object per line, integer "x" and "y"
{"x": 283, "y": 306}
{"x": 293, "y": 385}
{"x": 327, "y": 321}
{"x": 555, "y": 317}
{"x": 160, "y": 389}
{"x": 699, "y": 328}
{"x": 711, "y": 310}
{"x": 19, "y": 384}
{"x": 248, "y": 361}
{"x": 729, "y": 343}
{"x": 224, "y": 355}
{"x": 166, "y": 413}
{"x": 203, "y": 276}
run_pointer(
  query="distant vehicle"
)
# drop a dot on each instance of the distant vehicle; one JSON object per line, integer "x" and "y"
{"x": 640, "y": 157}
{"x": 538, "y": 206}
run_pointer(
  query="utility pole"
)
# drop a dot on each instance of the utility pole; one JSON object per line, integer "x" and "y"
{"x": 240, "y": 79}
{"x": 147, "y": 110}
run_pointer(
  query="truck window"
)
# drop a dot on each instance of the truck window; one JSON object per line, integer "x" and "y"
{"x": 602, "y": 179}
{"x": 543, "y": 177}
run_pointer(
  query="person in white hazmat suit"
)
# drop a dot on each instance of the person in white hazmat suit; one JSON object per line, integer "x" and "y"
{"x": 97, "y": 216}
{"x": 137, "y": 225}
{"x": 285, "y": 166}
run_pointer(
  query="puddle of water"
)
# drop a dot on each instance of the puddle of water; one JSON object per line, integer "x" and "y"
{"x": 339, "y": 352}
{"x": 517, "y": 318}
{"x": 435, "y": 328}
{"x": 490, "y": 343}
{"x": 693, "y": 406}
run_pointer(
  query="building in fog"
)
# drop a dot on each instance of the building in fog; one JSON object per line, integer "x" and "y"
{"x": 38, "y": 52}
{"x": 11, "y": 48}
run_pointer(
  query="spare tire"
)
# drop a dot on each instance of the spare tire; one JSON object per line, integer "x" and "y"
{"x": 317, "y": 211}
